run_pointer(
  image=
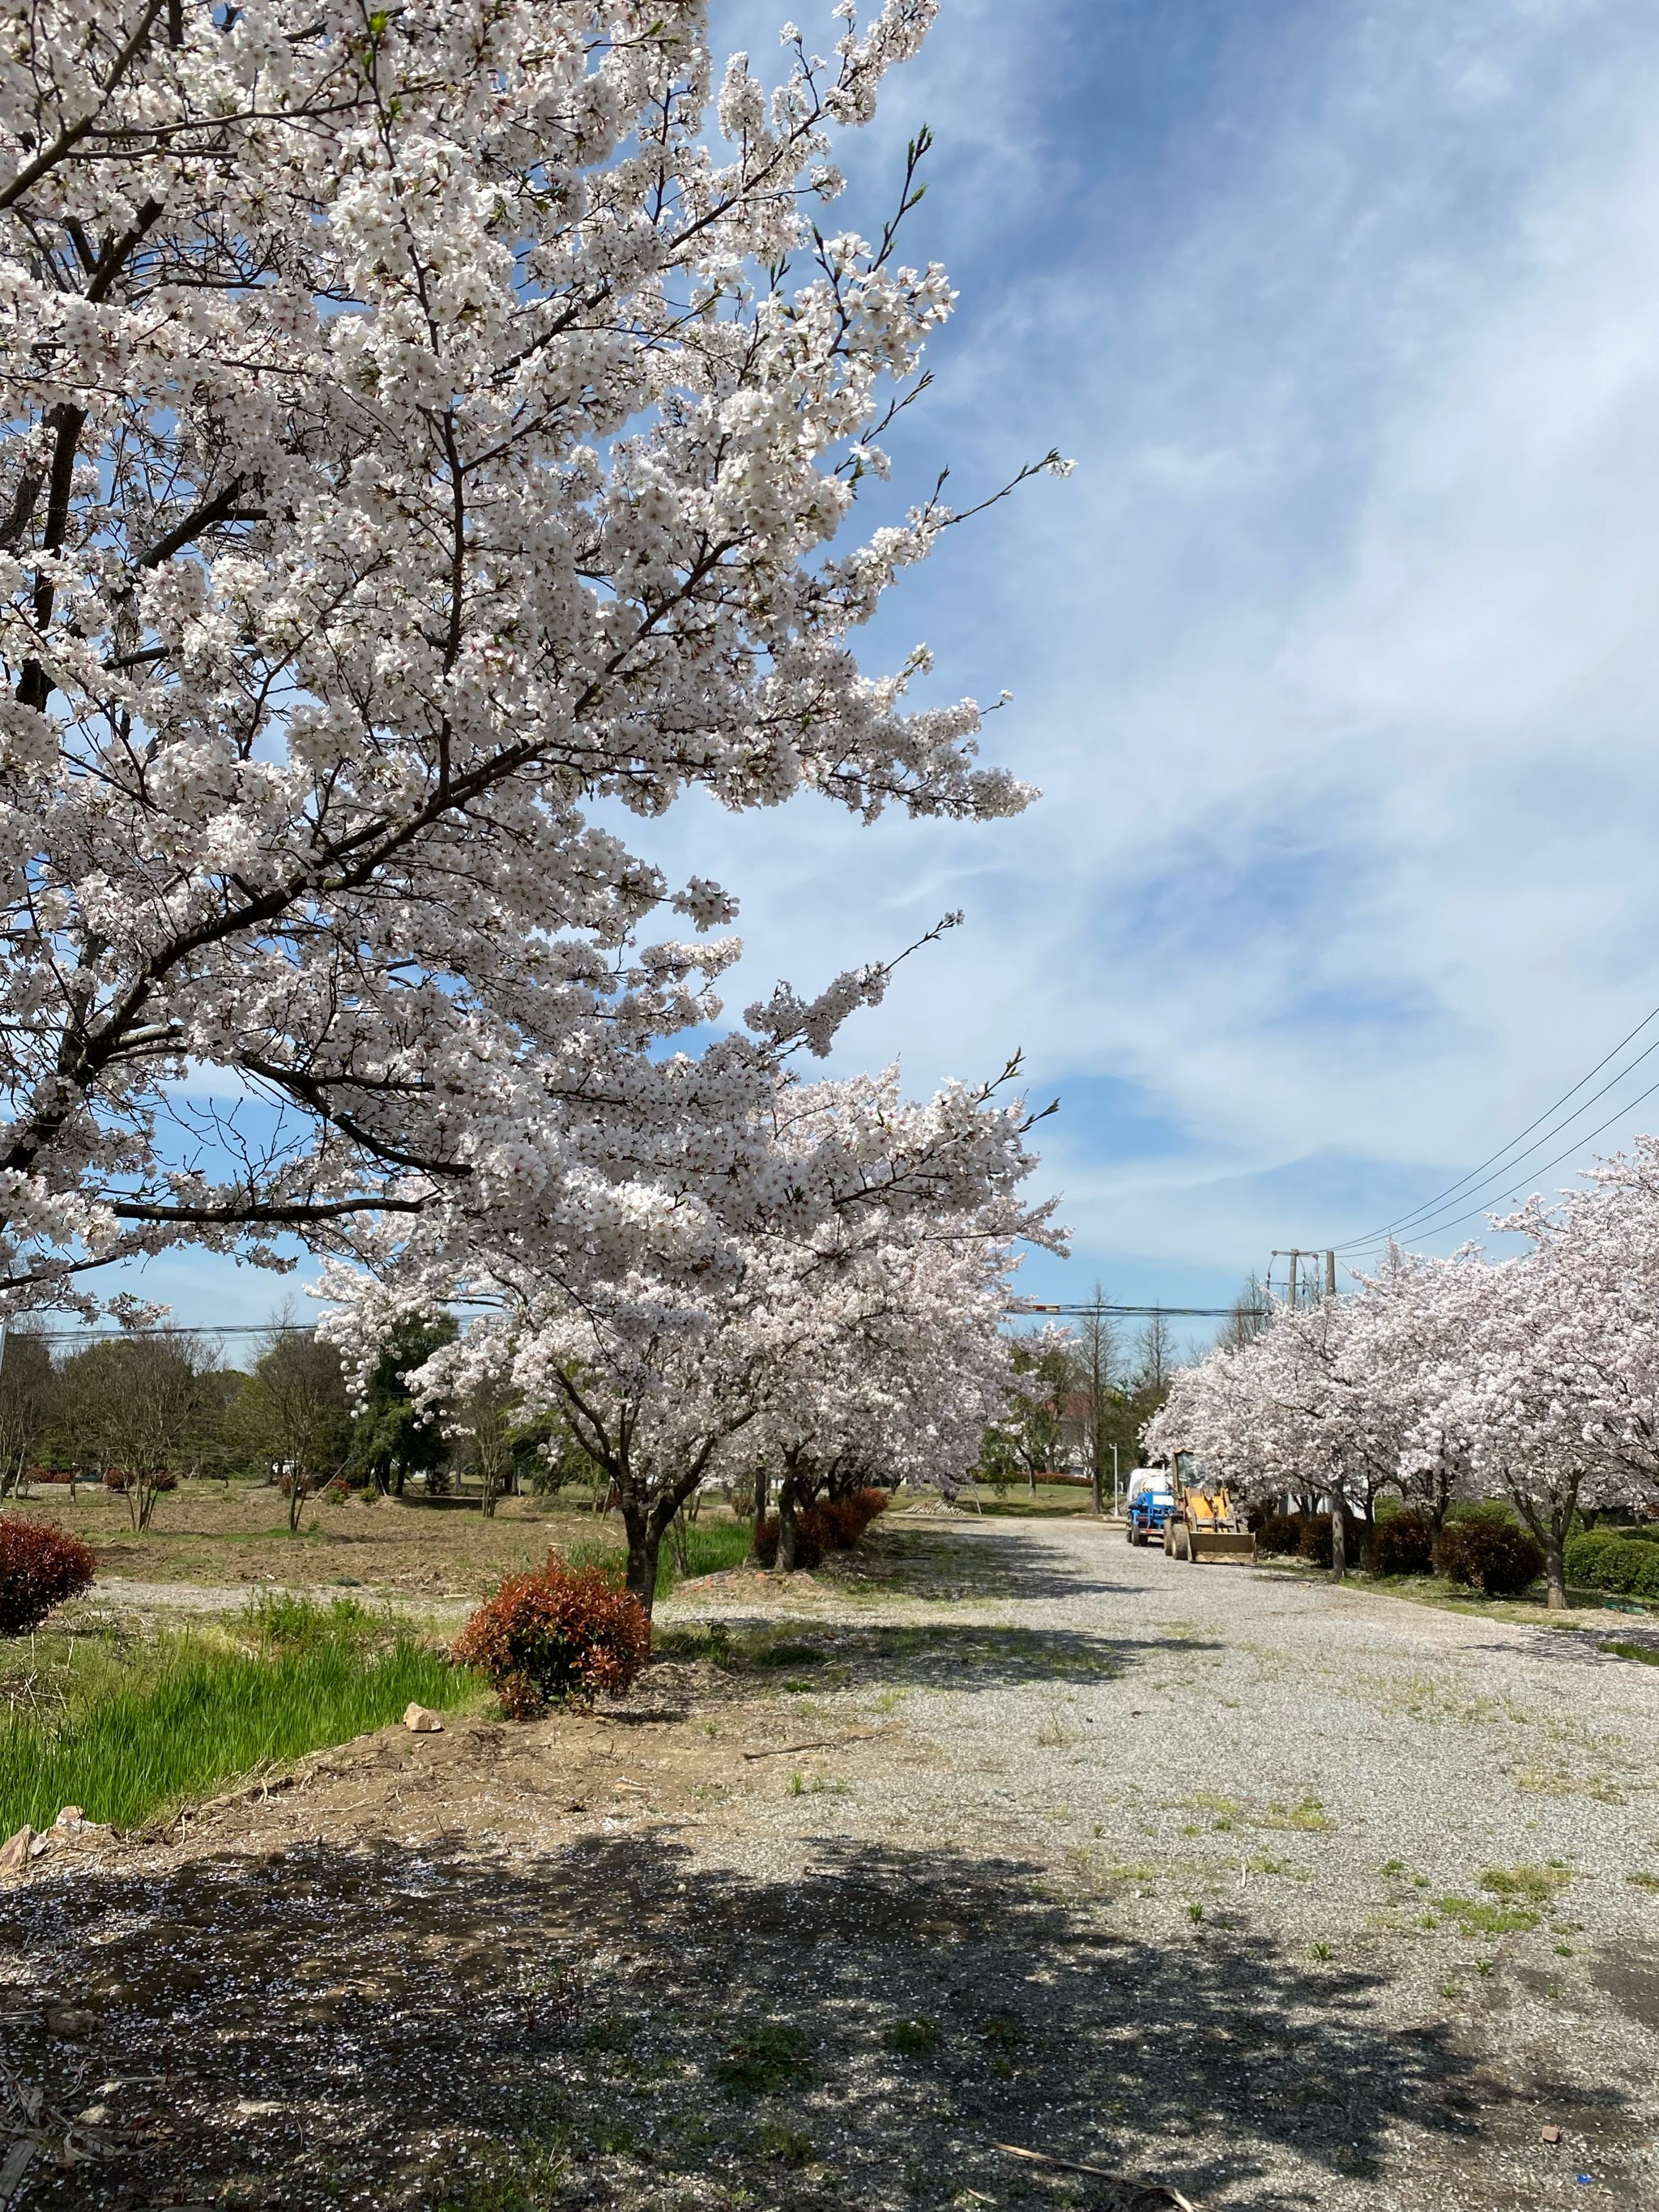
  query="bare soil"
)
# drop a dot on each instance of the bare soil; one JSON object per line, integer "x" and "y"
{"x": 235, "y": 1534}
{"x": 1008, "y": 1834}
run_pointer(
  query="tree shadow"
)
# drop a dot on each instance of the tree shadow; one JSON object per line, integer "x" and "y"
{"x": 973, "y": 1558}
{"x": 932, "y": 1655}
{"x": 615, "y": 2023}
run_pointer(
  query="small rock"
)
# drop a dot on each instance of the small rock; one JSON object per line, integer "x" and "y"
{"x": 69, "y": 1816}
{"x": 40, "y": 1846}
{"x": 1551, "y": 2135}
{"x": 423, "y": 1720}
{"x": 15, "y": 1850}
{"x": 95, "y": 2116}
{"x": 70, "y": 2021}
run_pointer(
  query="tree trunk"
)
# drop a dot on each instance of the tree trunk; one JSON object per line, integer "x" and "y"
{"x": 644, "y": 1542}
{"x": 1555, "y": 1569}
{"x": 1097, "y": 1490}
{"x": 787, "y": 1522}
{"x": 296, "y": 1498}
{"x": 1338, "y": 1539}
{"x": 762, "y": 1489}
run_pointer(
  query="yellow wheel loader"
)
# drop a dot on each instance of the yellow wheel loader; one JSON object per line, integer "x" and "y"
{"x": 1207, "y": 1522}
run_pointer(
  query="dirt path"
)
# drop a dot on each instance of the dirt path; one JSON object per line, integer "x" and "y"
{"x": 1287, "y": 1896}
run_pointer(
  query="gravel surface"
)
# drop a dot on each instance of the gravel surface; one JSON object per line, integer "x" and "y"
{"x": 1310, "y": 1812}
{"x": 1283, "y": 1895}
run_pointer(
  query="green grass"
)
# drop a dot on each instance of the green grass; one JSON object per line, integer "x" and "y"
{"x": 711, "y": 1547}
{"x": 1475, "y": 1916}
{"x": 1642, "y": 1653}
{"x": 138, "y": 1735}
{"x": 770, "y": 2056}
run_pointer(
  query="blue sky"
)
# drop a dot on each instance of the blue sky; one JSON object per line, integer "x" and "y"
{"x": 1335, "y": 659}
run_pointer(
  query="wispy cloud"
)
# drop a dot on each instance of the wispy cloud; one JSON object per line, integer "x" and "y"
{"x": 1335, "y": 659}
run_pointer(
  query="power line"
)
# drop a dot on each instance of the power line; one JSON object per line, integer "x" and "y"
{"x": 1578, "y": 1142}
{"x": 20, "y": 1327}
{"x": 1414, "y": 1218}
{"x": 1199, "y": 1313}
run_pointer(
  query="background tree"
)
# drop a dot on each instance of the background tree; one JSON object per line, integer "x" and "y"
{"x": 27, "y": 1391}
{"x": 142, "y": 1405}
{"x": 297, "y": 1409}
{"x": 1027, "y": 1437}
{"x": 484, "y": 1423}
{"x": 391, "y": 1436}
{"x": 1096, "y": 1363}
{"x": 1252, "y": 1310}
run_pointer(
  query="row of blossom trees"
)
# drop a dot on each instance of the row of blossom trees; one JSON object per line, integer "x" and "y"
{"x": 1535, "y": 1379}
{"x": 429, "y": 434}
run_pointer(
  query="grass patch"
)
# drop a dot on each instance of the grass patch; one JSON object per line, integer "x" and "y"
{"x": 137, "y": 1733}
{"x": 1643, "y": 1653}
{"x": 785, "y": 1654}
{"x": 912, "y": 2038}
{"x": 1526, "y": 1885}
{"x": 711, "y": 1547}
{"x": 792, "y": 2146}
{"x": 768, "y": 2056}
{"x": 1477, "y": 1916}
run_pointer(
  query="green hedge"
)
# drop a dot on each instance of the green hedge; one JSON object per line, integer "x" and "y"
{"x": 1613, "y": 1559}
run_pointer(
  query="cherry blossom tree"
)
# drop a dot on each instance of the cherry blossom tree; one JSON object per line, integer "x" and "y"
{"x": 1551, "y": 1375}
{"x": 1534, "y": 1380}
{"x": 870, "y": 1328}
{"x": 422, "y": 424}
{"x": 1307, "y": 1403}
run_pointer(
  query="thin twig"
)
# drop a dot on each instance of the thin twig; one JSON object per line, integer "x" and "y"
{"x": 1070, "y": 2166}
{"x": 818, "y": 1743}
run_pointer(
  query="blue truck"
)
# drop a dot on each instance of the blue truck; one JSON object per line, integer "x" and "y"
{"x": 1150, "y": 1503}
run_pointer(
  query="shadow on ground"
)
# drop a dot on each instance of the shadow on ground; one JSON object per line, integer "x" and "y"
{"x": 928, "y": 1654}
{"x": 612, "y": 2026}
{"x": 973, "y": 1559}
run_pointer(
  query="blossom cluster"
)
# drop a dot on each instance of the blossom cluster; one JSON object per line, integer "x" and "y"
{"x": 428, "y": 434}
{"x": 1533, "y": 1379}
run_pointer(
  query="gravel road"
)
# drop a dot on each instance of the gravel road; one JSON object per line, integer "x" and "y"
{"x": 1284, "y": 1896}
{"x": 1386, "y": 1876}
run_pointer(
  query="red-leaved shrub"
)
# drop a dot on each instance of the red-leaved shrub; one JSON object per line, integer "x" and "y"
{"x": 1403, "y": 1544}
{"x": 41, "y": 1565}
{"x": 837, "y": 1525}
{"x": 1278, "y": 1535}
{"x": 1488, "y": 1554}
{"x": 116, "y": 1478}
{"x": 809, "y": 1541}
{"x": 557, "y": 1635}
{"x": 846, "y": 1519}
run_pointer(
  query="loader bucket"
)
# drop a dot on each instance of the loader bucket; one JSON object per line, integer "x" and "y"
{"x": 1223, "y": 1544}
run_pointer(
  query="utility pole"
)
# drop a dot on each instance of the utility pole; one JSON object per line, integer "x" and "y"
{"x": 1296, "y": 1256}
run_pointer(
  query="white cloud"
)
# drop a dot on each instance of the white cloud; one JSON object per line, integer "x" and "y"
{"x": 1336, "y": 659}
